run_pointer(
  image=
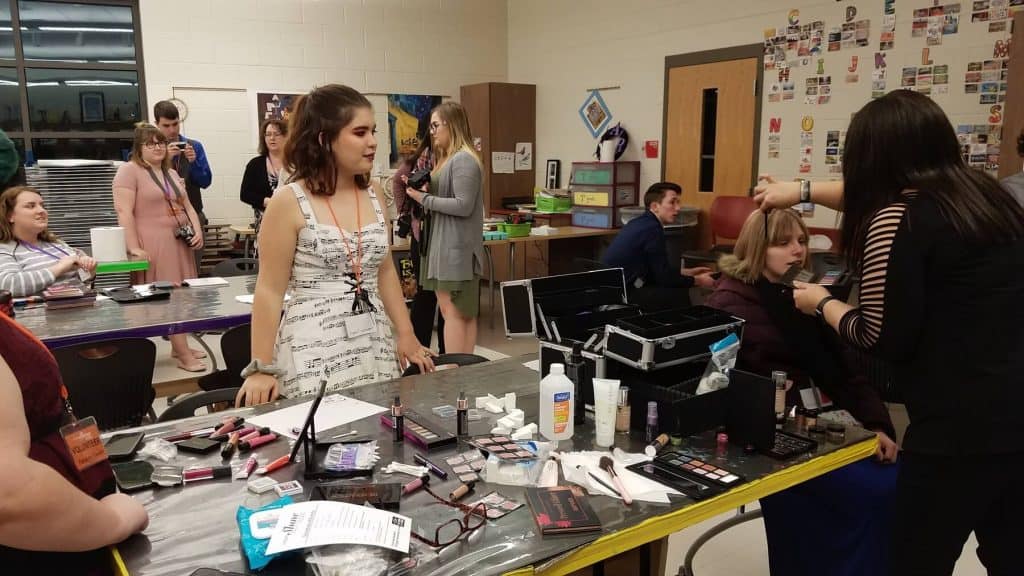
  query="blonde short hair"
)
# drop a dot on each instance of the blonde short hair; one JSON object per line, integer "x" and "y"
{"x": 746, "y": 263}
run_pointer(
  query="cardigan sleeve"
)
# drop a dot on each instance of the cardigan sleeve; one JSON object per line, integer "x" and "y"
{"x": 255, "y": 186}
{"x": 466, "y": 188}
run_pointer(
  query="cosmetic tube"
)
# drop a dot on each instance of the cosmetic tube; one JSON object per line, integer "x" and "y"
{"x": 606, "y": 394}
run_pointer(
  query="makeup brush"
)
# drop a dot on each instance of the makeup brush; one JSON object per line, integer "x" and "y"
{"x": 608, "y": 465}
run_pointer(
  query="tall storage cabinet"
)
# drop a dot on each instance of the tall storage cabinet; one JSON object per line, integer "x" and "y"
{"x": 502, "y": 115}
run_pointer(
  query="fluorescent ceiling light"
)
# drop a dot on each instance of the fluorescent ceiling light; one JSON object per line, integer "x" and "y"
{"x": 97, "y": 83}
{"x": 32, "y": 84}
{"x": 85, "y": 29}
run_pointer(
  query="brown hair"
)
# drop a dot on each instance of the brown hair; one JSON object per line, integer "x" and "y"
{"x": 165, "y": 109}
{"x": 144, "y": 134}
{"x": 746, "y": 263}
{"x": 656, "y": 193}
{"x": 281, "y": 125}
{"x": 317, "y": 120}
{"x": 8, "y": 200}
{"x": 454, "y": 116}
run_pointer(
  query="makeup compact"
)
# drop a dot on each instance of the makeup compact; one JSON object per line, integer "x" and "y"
{"x": 672, "y": 475}
{"x": 503, "y": 447}
{"x": 384, "y": 495}
{"x": 467, "y": 466}
{"x": 698, "y": 469}
{"x": 789, "y": 445}
{"x": 497, "y": 505}
{"x": 198, "y": 445}
{"x": 422, "y": 430}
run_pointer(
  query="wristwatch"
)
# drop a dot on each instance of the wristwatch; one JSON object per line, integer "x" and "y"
{"x": 805, "y": 190}
{"x": 821, "y": 305}
{"x": 258, "y": 367}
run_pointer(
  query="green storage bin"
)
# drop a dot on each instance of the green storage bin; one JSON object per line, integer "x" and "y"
{"x": 548, "y": 204}
{"x": 121, "y": 267}
{"x": 515, "y": 230}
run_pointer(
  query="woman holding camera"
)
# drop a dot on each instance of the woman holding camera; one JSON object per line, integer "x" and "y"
{"x": 939, "y": 246}
{"x": 453, "y": 260}
{"x": 159, "y": 223}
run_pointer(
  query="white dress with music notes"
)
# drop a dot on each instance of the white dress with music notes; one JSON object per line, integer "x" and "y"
{"x": 312, "y": 340}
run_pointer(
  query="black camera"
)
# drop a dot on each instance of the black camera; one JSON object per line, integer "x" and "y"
{"x": 419, "y": 179}
{"x": 404, "y": 225}
{"x": 185, "y": 232}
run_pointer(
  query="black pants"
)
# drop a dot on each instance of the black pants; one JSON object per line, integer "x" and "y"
{"x": 424, "y": 306}
{"x": 940, "y": 500}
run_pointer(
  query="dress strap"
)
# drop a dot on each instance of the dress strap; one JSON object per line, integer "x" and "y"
{"x": 303, "y": 200}
{"x": 376, "y": 205}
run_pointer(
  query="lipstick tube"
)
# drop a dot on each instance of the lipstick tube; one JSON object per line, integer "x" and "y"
{"x": 206, "y": 473}
{"x": 190, "y": 434}
{"x": 247, "y": 469}
{"x": 254, "y": 433}
{"x": 228, "y": 427}
{"x": 415, "y": 484}
{"x": 397, "y": 420}
{"x": 421, "y": 459}
{"x": 256, "y": 442}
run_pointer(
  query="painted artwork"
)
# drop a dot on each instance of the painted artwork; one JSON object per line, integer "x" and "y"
{"x": 595, "y": 113}
{"x": 408, "y": 123}
{"x": 273, "y": 105}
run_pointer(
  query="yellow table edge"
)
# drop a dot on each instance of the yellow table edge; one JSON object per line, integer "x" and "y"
{"x": 118, "y": 562}
{"x": 656, "y": 528}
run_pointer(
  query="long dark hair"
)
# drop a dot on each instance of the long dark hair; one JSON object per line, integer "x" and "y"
{"x": 316, "y": 121}
{"x": 903, "y": 141}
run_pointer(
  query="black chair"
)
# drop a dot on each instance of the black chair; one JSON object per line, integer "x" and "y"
{"x": 111, "y": 380}
{"x": 186, "y": 406}
{"x": 237, "y": 267}
{"x": 235, "y": 348}
{"x": 457, "y": 359}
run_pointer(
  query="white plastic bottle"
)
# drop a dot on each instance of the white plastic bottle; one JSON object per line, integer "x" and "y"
{"x": 556, "y": 404}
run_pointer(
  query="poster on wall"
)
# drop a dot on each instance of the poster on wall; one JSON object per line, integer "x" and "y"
{"x": 273, "y": 105}
{"x": 595, "y": 113}
{"x": 408, "y": 122}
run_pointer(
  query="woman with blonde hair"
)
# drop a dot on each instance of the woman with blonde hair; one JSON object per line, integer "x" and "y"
{"x": 452, "y": 260}
{"x": 160, "y": 224}
{"x": 777, "y": 336}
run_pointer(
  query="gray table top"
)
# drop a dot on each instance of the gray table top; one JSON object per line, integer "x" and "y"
{"x": 187, "y": 310}
{"x": 194, "y": 526}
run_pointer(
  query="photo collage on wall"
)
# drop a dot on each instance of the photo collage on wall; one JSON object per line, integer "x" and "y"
{"x": 806, "y": 144}
{"x": 979, "y": 143}
{"x": 818, "y": 88}
{"x": 927, "y": 80}
{"x": 849, "y": 35}
{"x": 774, "y": 137}
{"x": 878, "y": 76}
{"x": 834, "y": 140}
{"x": 934, "y": 22}
{"x": 987, "y": 79}
{"x": 794, "y": 45}
{"x": 888, "y": 38}
{"x": 995, "y": 12}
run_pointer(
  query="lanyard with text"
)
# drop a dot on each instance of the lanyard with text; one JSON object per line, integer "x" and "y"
{"x": 42, "y": 250}
{"x": 361, "y": 304}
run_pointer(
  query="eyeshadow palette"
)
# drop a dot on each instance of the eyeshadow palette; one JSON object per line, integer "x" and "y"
{"x": 422, "y": 431}
{"x": 503, "y": 447}
{"x": 497, "y": 505}
{"x": 788, "y": 445}
{"x": 699, "y": 469}
{"x": 467, "y": 465}
{"x": 671, "y": 475}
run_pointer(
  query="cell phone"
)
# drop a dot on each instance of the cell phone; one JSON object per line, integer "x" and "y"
{"x": 134, "y": 475}
{"x": 796, "y": 273}
{"x": 124, "y": 446}
{"x": 178, "y": 144}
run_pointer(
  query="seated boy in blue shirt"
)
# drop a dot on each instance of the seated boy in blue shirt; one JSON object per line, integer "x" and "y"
{"x": 640, "y": 250}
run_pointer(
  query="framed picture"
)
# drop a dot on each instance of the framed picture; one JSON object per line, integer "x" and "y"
{"x": 93, "y": 109}
{"x": 595, "y": 113}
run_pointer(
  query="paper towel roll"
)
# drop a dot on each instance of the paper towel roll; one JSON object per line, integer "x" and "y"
{"x": 108, "y": 244}
{"x": 608, "y": 150}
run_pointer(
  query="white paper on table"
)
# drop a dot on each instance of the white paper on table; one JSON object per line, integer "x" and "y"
{"x": 503, "y": 162}
{"x": 248, "y": 298}
{"x": 640, "y": 488}
{"x": 201, "y": 282}
{"x": 533, "y": 365}
{"x": 321, "y": 522}
{"x": 335, "y": 410}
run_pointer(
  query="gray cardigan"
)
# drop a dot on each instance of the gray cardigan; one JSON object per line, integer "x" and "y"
{"x": 456, "y": 248}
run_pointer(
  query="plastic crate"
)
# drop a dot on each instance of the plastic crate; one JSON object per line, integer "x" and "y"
{"x": 515, "y": 230}
{"x": 547, "y": 204}
{"x": 593, "y": 217}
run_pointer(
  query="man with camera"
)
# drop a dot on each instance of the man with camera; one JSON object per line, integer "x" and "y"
{"x": 188, "y": 158}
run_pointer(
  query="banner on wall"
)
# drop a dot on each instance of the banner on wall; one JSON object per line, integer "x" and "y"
{"x": 408, "y": 123}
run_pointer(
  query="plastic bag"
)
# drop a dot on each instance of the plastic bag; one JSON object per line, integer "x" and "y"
{"x": 256, "y": 548}
{"x": 158, "y": 448}
{"x": 723, "y": 359}
{"x": 522, "y": 473}
{"x": 351, "y": 457}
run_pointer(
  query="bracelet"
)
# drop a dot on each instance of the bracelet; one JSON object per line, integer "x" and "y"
{"x": 805, "y": 190}
{"x": 257, "y": 366}
{"x": 820, "y": 308}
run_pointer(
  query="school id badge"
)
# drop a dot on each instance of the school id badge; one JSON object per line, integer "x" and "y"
{"x": 82, "y": 438}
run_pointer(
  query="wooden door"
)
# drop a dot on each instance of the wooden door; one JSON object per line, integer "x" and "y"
{"x": 710, "y": 127}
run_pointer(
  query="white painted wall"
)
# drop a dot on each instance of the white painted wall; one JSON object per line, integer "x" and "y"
{"x": 210, "y": 53}
{"x": 566, "y": 47}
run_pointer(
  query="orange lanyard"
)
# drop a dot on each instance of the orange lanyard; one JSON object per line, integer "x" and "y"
{"x": 357, "y": 264}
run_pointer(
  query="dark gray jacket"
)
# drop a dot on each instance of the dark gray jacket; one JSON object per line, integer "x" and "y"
{"x": 456, "y": 249}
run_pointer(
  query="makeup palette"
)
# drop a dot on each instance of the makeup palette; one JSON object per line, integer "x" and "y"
{"x": 467, "y": 465}
{"x": 699, "y": 469}
{"x": 421, "y": 430}
{"x": 497, "y": 505}
{"x": 671, "y": 475}
{"x": 503, "y": 447}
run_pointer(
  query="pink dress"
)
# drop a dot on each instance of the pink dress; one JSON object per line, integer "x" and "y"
{"x": 170, "y": 258}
